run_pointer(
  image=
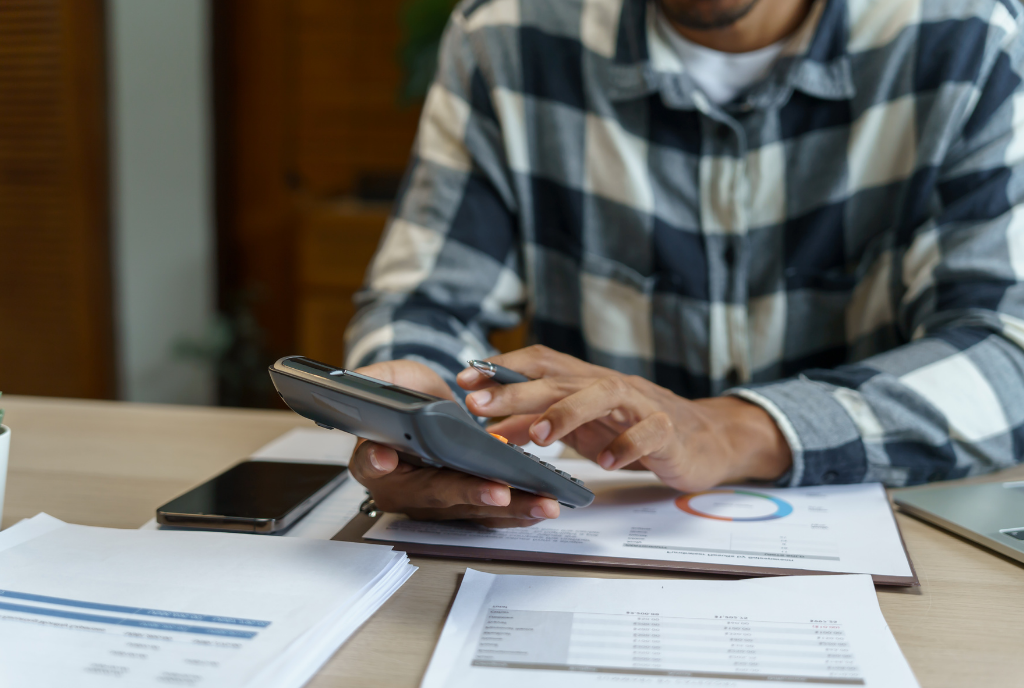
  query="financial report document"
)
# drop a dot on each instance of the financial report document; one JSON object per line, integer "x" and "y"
{"x": 513, "y": 631}
{"x": 835, "y": 529}
{"x": 98, "y": 607}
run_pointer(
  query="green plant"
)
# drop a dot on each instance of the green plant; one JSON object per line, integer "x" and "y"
{"x": 423, "y": 22}
{"x": 1, "y": 412}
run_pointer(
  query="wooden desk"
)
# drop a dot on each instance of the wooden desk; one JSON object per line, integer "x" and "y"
{"x": 110, "y": 464}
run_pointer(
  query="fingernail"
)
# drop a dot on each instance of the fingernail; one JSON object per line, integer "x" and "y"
{"x": 486, "y": 498}
{"x": 469, "y": 376}
{"x": 541, "y": 430}
{"x": 481, "y": 398}
{"x": 606, "y": 459}
{"x": 373, "y": 460}
{"x": 538, "y": 512}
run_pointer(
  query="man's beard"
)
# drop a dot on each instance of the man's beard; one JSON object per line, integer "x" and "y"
{"x": 703, "y": 15}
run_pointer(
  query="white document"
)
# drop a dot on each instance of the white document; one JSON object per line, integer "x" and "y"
{"x": 320, "y": 446}
{"x": 96, "y": 607}
{"x": 514, "y": 631}
{"x": 837, "y": 529}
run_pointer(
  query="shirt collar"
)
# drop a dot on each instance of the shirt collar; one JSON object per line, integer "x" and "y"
{"x": 815, "y": 62}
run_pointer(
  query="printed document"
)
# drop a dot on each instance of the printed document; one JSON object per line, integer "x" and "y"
{"x": 514, "y": 631}
{"x": 97, "y": 607}
{"x": 836, "y": 529}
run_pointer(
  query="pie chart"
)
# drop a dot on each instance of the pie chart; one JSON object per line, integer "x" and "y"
{"x": 734, "y": 505}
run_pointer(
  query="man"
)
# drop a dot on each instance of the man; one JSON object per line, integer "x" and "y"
{"x": 769, "y": 239}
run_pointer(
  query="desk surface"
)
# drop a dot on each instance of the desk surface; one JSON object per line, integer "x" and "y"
{"x": 111, "y": 464}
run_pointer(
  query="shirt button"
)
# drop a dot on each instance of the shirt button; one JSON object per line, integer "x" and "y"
{"x": 730, "y": 255}
{"x": 829, "y": 477}
{"x": 732, "y": 378}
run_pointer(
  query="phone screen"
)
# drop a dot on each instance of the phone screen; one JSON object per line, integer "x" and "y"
{"x": 256, "y": 489}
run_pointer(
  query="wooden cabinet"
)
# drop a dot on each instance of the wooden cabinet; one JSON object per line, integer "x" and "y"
{"x": 336, "y": 242}
{"x": 310, "y": 136}
{"x": 56, "y": 331}
{"x": 311, "y": 145}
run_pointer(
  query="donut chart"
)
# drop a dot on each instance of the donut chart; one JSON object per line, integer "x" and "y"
{"x": 782, "y": 507}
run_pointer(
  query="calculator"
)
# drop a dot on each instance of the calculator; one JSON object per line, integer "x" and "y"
{"x": 425, "y": 430}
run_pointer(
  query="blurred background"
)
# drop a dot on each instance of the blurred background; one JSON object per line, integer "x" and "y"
{"x": 190, "y": 189}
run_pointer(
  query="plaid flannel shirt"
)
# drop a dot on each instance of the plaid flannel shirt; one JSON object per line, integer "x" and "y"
{"x": 843, "y": 245}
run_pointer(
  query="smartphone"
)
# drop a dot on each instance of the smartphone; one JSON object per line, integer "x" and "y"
{"x": 424, "y": 429}
{"x": 254, "y": 497}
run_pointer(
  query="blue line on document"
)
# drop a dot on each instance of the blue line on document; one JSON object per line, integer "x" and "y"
{"x": 186, "y": 616}
{"x": 138, "y": 623}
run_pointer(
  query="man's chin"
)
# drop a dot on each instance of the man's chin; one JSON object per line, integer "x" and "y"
{"x": 706, "y": 15}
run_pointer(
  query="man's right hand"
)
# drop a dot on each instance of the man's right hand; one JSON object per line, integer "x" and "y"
{"x": 437, "y": 493}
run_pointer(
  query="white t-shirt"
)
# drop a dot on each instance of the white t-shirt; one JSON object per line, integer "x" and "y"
{"x": 721, "y": 76}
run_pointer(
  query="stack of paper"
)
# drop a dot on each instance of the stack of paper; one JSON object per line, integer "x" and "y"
{"x": 82, "y": 606}
{"x": 513, "y": 631}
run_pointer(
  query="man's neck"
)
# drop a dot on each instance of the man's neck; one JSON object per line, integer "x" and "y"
{"x": 768, "y": 22}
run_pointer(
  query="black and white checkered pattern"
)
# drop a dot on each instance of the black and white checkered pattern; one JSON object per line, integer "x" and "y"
{"x": 843, "y": 245}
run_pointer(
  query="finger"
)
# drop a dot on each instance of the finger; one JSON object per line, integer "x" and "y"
{"x": 647, "y": 437}
{"x": 595, "y": 401}
{"x": 539, "y": 361}
{"x": 522, "y": 507}
{"x": 526, "y": 397}
{"x": 371, "y": 461}
{"x": 435, "y": 488}
{"x": 516, "y": 429}
{"x": 471, "y": 378}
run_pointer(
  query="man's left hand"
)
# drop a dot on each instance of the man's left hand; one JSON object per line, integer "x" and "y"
{"x": 626, "y": 421}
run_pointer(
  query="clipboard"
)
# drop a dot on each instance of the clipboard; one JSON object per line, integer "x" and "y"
{"x": 361, "y": 523}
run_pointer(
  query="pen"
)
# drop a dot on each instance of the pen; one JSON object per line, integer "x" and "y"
{"x": 500, "y": 374}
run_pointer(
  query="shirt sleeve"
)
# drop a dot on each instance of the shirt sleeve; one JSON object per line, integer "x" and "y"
{"x": 950, "y": 402}
{"x": 448, "y": 268}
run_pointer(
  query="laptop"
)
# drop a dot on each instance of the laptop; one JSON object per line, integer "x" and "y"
{"x": 990, "y": 514}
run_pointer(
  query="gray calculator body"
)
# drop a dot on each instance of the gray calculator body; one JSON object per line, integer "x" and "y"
{"x": 424, "y": 429}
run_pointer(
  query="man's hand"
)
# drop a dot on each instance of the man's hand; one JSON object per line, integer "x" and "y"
{"x": 433, "y": 493}
{"x": 620, "y": 421}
